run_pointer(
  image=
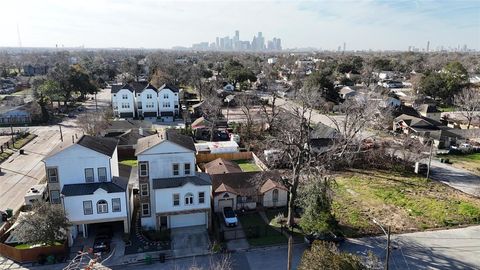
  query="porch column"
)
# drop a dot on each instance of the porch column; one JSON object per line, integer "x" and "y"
{"x": 84, "y": 229}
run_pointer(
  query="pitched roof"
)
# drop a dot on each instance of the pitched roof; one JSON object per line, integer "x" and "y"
{"x": 117, "y": 185}
{"x": 169, "y": 135}
{"x": 428, "y": 108}
{"x": 118, "y": 87}
{"x": 270, "y": 184}
{"x": 148, "y": 86}
{"x": 101, "y": 145}
{"x": 139, "y": 86}
{"x": 169, "y": 86}
{"x": 244, "y": 183}
{"x": 201, "y": 179}
{"x": 132, "y": 136}
{"x": 220, "y": 166}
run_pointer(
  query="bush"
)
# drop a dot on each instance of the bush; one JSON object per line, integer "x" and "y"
{"x": 41, "y": 259}
{"x": 325, "y": 256}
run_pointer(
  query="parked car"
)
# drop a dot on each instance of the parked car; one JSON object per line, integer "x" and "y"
{"x": 324, "y": 236}
{"x": 102, "y": 243}
{"x": 230, "y": 217}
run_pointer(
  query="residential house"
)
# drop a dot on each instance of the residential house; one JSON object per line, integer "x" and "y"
{"x": 172, "y": 193}
{"x": 228, "y": 87}
{"x": 147, "y": 102}
{"x": 429, "y": 111}
{"x": 22, "y": 114}
{"x": 83, "y": 176}
{"x": 168, "y": 102}
{"x": 347, "y": 92}
{"x": 123, "y": 101}
{"x": 247, "y": 190}
{"x": 221, "y": 166}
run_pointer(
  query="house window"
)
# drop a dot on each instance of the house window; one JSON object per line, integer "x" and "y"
{"x": 166, "y": 104}
{"x": 149, "y": 96}
{"x": 55, "y": 196}
{"x": 188, "y": 199}
{"x": 187, "y": 168}
{"x": 145, "y": 209}
{"x": 52, "y": 174}
{"x": 89, "y": 177}
{"x": 275, "y": 195}
{"x": 176, "y": 199}
{"x": 87, "y": 208}
{"x": 144, "y": 189}
{"x": 102, "y": 174}
{"x": 175, "y": 169}
{"x": 201, "y": 197}
{"x": 243, "y": 199}
{"x": 165, "y": 95}
{"x": 102, "y": 207}
{"x": 116, "y": 205}
{"x": 124, "y": 96}
{"x": 143, "y": 167}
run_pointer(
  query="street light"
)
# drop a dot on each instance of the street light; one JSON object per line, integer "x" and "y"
{"x": 387, "y": 233}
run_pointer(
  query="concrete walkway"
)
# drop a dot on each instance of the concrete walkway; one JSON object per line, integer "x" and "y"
{"x": 455, "y": 177}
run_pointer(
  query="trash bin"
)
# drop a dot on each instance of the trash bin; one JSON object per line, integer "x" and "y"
{"x": 148, "y": 259}
{"x": 22, "y": 151}
{"x": 9, "y": 212}
{"x": 161, "y": 257}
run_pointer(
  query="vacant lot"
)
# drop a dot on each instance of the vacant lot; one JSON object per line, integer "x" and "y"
{"x": 405, "y": 202}
{"x": 469, "y": 162}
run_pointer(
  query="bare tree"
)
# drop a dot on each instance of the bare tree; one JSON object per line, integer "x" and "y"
{"x": 94, "y": 123}
{"x": 247, "y": 103}
{"x": 212, "y": 112}
{"x": 270, "y": 112}
{"x": 468, "y": 103}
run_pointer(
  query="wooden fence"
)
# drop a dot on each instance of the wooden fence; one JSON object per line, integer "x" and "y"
{"x": 203, "y": 158}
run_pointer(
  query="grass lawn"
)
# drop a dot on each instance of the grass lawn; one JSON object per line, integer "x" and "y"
{"x": 23, "y": 141}
{"x": 247, "y": 165}
{"x": 258, "y": 233}
{"x": 407, "y": 203}
{"x": 129, "y": 162}
{"x": 272, "y": 213}
{"x": 5, "y": 155}
{"x": 447, "y": 109}
{"x": 469, "y": 162}
{"x": 28, "y": 246}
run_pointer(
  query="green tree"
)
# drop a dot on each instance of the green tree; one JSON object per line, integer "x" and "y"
{"x": 235, "y": 72}
{"x": 324, "y": 256}
{"x": 46, "y": 225}
{"x": 322, "y": 82}
{"x": 452, "y": 79}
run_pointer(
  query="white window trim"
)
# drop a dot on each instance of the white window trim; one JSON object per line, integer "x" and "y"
{"x": 200, "y": 197}
{"x": 48, "y": 174}
{"x": 185, "y": 169}
{"x": 59, "y": 198}
{"x": 140, "y": 168}
{"x": 103, "y": 211}
{"x": 93, "y": 175}
{"x": 173, "y": 169}
{"x": 141, "y": 189}
{"x": 188, "y": 199}
{"x": 91, "y": 208}
{"x": 98, "y": 172}
{"x": 148, "y": 208}
{"x": 119, "y": 205}
{"x": 173, "y": 199}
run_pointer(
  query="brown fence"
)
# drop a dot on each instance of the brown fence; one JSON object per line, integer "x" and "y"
{"x": 32, "y": 254}
{"x": 202, "y": 158}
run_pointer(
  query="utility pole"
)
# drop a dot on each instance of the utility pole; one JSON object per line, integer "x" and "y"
{"x": 430, "y": 158}
{"x": 388, "y": 248}
{"x": 96, "y": 105}
{"x": 11, "y": 130}
{"x": 61, "y": 133}
{"x": 290, "y": 246}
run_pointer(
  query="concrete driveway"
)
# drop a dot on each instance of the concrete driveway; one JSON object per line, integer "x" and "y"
{"x": 443, "y": 250}
{"x": 235, "y": 237}
{"x": 189, "y": 241}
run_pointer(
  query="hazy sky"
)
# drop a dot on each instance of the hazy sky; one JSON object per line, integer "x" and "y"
{"x": 368, "y": 24}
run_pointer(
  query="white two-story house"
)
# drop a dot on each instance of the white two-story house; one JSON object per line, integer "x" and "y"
{"x": 147, "y": 102}
{"x": 168, "y": 102}
{"x": 123, "y": 101}
{"x": 83, "y": 176}
{"x": 172, "y": 193}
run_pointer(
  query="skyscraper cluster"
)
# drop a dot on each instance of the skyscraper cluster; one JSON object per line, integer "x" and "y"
{"x": 235, "y": 44}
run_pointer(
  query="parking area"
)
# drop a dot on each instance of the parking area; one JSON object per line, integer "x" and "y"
{"x": 190, "y": 241}
{"x": 109, "y": 230}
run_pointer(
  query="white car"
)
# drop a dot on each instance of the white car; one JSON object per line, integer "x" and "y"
{"x": 230, "y": 217}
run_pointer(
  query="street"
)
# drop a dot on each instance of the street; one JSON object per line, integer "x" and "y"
{"x": 274, "y": 258}
{"x": 20, "y": 172}
{"x": 445, "y": 249}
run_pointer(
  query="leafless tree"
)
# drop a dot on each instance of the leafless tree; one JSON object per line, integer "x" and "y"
{"x": 270, "y": 112}
{"x": 247, "y": 103}
{"x": 94, "y": 123}
{"x": 212, "y": 112}
{"x": 468, "y": 103}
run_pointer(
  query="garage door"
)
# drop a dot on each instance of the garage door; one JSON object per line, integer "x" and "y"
{"x": 224, "y": 203}
{"x": 187, "y": 220}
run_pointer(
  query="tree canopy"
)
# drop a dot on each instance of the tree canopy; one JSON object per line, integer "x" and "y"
{"x": 322, "y": 256}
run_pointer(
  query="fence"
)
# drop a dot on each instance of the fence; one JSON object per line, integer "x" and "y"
{"x": 203, "y": 158}
{"x": 32, "y": 254}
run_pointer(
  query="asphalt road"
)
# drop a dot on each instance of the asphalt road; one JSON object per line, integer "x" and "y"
{"x": 20, "y": 172}
{"x": 442, "y": 250}
{"x": 455, "y": 177}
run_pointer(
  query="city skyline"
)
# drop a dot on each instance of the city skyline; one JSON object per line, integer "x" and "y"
{"x": 362, "y": 25}
{"x": 258, "y": 43}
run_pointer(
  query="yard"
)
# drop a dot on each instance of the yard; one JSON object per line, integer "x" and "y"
{"x": 258, "y": 233}
{"x": 23, "y": 141}
{"x": 129, "y": 162}
{"x": 247, "y": 165}
{"x": 405, "y": 202}
{"x": 469, "y": 162}
{"x": 4, "y": 156}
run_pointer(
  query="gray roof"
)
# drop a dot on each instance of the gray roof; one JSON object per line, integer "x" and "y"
{"x": 201, "y": 179}
{"x": 118, "y": 87}
{"x": 169, "y": 86}
{"x": 169, "y": 135}
{"x": 117, "y": 185}
{"x": 102, "y": 145}
{"x": 149, "y": 86}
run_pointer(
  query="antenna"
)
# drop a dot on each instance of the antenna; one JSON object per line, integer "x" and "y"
{"x": 18, "y": 35}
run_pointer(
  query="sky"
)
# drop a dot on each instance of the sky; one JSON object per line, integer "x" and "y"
{"x": 368, "y": 24}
